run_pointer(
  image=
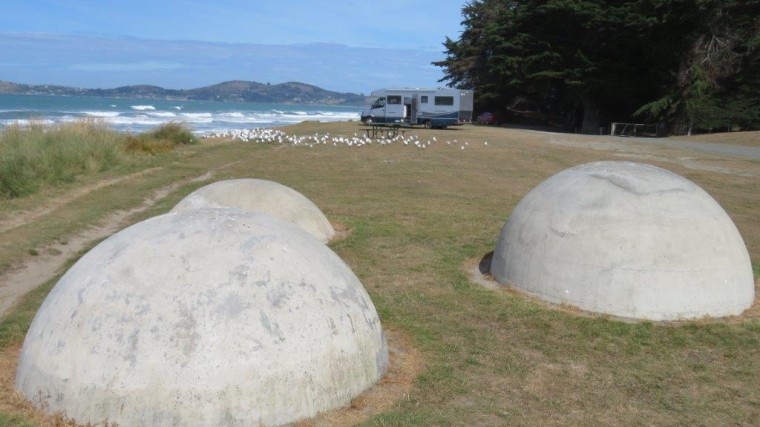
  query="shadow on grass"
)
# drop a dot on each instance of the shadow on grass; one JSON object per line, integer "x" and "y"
{"x": 484, "y": 266}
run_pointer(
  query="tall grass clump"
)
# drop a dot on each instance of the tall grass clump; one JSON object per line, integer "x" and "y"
{"x": 162, "y": 139}
{"x": 36, "y": 155}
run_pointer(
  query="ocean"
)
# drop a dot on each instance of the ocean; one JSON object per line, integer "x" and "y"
{"x": 138, "y": 115}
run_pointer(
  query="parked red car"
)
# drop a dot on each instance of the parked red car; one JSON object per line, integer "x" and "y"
{"x": 489, "y": 119}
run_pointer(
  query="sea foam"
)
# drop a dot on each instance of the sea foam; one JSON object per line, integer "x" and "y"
{"x": 101, "y": 113}
{"x": 202, "y": 117}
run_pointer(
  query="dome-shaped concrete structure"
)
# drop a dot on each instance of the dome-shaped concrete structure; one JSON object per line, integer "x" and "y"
{"x": 258, "y": 195}
{"x": 207, "y": 317}
{"x": 626, "y": 239}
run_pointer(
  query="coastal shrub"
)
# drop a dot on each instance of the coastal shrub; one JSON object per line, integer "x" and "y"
{"x": 177, "y": 133}
{"x": 162, "y": 139}
{"x": 38, "y": 154}
{"x": 141, "y": 143}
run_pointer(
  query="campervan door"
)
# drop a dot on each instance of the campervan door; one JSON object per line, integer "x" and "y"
{"x": 394, "y": 108}
{"x": 387, "y": 108}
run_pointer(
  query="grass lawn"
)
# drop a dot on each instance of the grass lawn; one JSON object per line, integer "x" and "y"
{"x": 415, "y": 218}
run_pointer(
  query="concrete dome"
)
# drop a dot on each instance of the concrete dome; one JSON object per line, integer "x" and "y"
{"x": 258, "y": 195}
{"x": 629, "y": 240}
{"x": 207, "y": 317}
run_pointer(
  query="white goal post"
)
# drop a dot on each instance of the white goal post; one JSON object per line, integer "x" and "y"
{"x": 633, "y": 129}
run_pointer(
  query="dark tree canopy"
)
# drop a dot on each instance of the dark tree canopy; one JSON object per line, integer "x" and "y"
{"x": 585, "y": 63}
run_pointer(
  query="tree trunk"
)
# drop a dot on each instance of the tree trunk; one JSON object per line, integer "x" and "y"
{"x": 591, "y": 116}
{"x": 572, "y": 122}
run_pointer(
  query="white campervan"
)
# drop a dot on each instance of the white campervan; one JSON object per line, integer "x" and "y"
{"x": 428, "y": 107}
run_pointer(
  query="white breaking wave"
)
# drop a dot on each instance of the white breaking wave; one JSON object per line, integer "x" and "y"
{"x": 200, "y": 117}
{"x": 140, "y": 120}
{"x": 233, "y": 114}
{"x": 233, "y": 119}
{"x": 167, "y": 114}
{"x": 101, "y": 113}
{"x": 197, "y": 117}
{"x": 24, "y": 122}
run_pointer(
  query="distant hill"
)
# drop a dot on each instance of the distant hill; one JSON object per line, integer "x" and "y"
{"x": 235, "y": 91}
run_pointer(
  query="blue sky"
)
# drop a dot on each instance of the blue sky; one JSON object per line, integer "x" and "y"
{"x": 343, "y": 45}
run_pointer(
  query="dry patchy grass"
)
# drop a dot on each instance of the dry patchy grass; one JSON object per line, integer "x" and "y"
{"x": 487, "y": 357}
{"x": 750, "y": 139}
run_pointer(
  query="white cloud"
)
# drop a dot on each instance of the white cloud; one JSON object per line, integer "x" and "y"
{"x": 130, "y": 66}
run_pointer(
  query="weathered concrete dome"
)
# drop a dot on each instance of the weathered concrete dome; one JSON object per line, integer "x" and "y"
{"x": 258, "y": 195}
{"x": 626, "y": 239}
{"x": 207, "y": 317}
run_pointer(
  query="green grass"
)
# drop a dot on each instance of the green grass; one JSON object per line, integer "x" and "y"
{"x": 490, "y": 357}
{"x": 162, "y": 139}
{"x": 37, "y": 156}
{"x": 31, "y": 157}
{"x": 7, "y": 420}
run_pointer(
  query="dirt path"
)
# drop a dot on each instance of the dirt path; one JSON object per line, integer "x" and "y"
{"x": 707, "y": 147}
{"x": 53, "y": 204}
{"x": 690, "y": 154}
{"x": 36, "y": 270}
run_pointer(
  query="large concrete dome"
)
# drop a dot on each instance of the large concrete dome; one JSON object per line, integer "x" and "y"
{"x": 629, "y": 240}
{"x": 207, "y": 317}
{"x": 258, "y": 195}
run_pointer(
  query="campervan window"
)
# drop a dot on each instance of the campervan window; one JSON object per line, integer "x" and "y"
{"x": 444, "y": 100}
{"x": 394, "y": 99}
{"x": 424, "y": 99}
{"x": 380, "y": 103}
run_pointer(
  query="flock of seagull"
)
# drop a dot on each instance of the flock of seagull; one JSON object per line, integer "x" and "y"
{"x": 274, "y": 136}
